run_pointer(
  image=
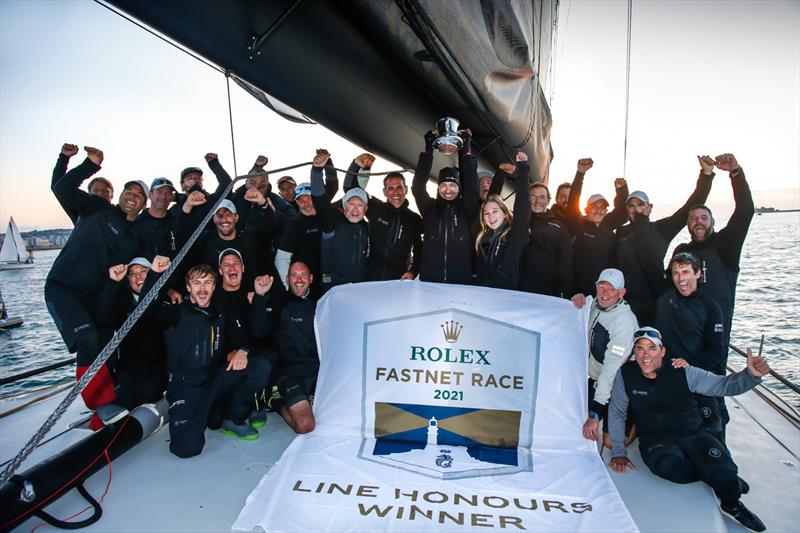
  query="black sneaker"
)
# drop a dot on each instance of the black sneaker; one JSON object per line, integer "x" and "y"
{"x": 744, "y": 516}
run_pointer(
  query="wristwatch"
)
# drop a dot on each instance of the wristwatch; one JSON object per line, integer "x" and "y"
{"x": 594, "y": 415}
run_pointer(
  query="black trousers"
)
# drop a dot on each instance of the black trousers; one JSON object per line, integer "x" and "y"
{"x": 190, "y": 401}
{"x": 696, "y": 457}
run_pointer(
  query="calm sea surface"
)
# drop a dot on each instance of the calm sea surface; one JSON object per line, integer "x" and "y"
{"x": 768, "y": 302}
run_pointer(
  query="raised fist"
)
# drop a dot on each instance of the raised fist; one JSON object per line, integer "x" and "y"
{"x": 706, "y": 164}
{"x": 508, "y": 168}
{"x": 254, "y": 195}
{"x": 118, "y": 272}
{"x": 321, "y": 158}
{"x": 261, "y": 161}
{"x": 365, "y": 160}
{"x": 94, "y": 155}
{"x": 521, "y": 156}
{"x": 262, "y": 284}
{"x": 69, "y": 149}
{"x": 160, "y": 264}
{"x": 585, "y": 164}
{"x": 430, "y": 136}
{"x": 727, "y": 162}
{"x": 195, "y": 198}
{"x": 620, "y": 183}
{"x": 211, "y": 156}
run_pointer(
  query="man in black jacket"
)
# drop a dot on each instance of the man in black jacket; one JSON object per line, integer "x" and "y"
{"x": 192, "y": 180}
{"x": 395, "y": 231}
{"x": 719, "y": 252}
{"x": 344, "y": 247}
{"x": 593, "y": 247}
{"x": 642, "y": 244}
{"x": 102, "y": 238}
{"x": 97, "y": 185}
{"x": 207, "y": 357}
{"x": 448, "y": 243}
{"x": 693, "y": 328}
{"x": 155, "y": 226}
{"x": 292, "y": 324}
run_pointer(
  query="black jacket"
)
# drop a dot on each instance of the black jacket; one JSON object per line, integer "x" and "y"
{"x": 693, "y": 328}
{"x": 593, "y": 246}
{"x": 640, "y": 249}
{"x": 448, "y": 243}
{"x": 719, "y": 254}
{"x": 395, "y": 236}
{"x": 156, "y": 235}
{"x": 547, "y": 261}
{"x": 200, "y": 211}
{"x": 102, "y": 237}
{"x": 498, "y": 260}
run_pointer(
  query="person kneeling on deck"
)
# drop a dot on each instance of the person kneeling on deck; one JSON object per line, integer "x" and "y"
{"x": 611, "y": 328}
{"x": 672, "y": 439}
{"x": 293, "y": 326}
{"x": 198, "y": 337}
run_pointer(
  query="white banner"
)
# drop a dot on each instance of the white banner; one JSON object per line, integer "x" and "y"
{"x": 443, "y": 408}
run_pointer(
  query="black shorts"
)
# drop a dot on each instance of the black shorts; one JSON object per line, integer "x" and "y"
{"x": 295, "y": 389}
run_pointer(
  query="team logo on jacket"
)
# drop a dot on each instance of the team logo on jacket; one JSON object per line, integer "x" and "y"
{"x": 449, "y": 394}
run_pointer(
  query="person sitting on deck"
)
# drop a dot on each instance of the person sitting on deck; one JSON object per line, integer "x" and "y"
{"x": 674, "y": 443}
{"x": 503, "y": 236}
{"x": 593, "y": 247}
{"x": 292, "y": 323}
{"x": 207, "y": 357}
{"x": 611, "y": 328}
{"x": 102, "y": 238}
{"x": 447, "y": 245}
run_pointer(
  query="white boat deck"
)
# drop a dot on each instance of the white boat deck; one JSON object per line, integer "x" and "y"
{"x": 151, "y": 490}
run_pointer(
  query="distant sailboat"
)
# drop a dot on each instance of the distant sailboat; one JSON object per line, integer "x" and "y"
{"x": 7, "y": 322}
{"x": 13, "y": 254}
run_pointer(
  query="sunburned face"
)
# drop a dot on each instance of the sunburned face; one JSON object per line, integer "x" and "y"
{"x": 649, "y": 356}
{"x": 136, "y": 277}
{"x": 226, "y": 223}
{"x": 539, "y": 199}
{"x": 231, "y": 269}
{"x": 607, "y": 295}
{"x": 355, "y": 209}
{"x": 395, "y": 191}
{"x": 448, "y": 190}
{"x": 685, "y": 278}
{"x": 306, "y": 205}
{"x": 700, "y": 224}
{"x": 299, "y": 279}
{"x": 493, "y": 215}
{"x": 132, "y": 200}
{"x": 200, "y": 289}
{"x": 597, "y": 211}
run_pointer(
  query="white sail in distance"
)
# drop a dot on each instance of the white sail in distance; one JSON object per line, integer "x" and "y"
{"x": 13, "y": 246}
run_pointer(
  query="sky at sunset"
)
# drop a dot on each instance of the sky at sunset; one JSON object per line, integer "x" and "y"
{"x": 706, "y": 77}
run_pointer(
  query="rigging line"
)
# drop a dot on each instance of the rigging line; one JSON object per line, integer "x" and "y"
{"x": 553, "y": 55}
{"x": 148, "y": 30}
{"x": 627, "y": 91}
{"x": 230, "y": 119}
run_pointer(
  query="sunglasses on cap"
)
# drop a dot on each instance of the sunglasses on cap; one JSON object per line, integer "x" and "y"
{"x": 646, "y": 333}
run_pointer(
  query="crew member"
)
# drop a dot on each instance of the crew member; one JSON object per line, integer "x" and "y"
{"x": 673, "y": 442}
{"x": 156, "y": 225}
{"x": 97, "y": 185}
{"x": 192, "y": 180}
{"x": 559, "y": 207}
{"x": 248, "y": 211}
{"x": 301, "y": 238}
{"x": 286, "y": 186}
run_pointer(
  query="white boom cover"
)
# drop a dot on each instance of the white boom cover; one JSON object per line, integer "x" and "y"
{"x": 443, "y": 408}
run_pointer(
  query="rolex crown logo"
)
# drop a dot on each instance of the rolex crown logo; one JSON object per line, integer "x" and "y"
{"x": 452, "y": 330}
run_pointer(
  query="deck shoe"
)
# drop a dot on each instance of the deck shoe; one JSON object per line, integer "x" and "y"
{"x": 241, "y": 431}
{"x": 744, "y": 516}
{"x": 257, "y": 419}
{"x": 110, "y": 413}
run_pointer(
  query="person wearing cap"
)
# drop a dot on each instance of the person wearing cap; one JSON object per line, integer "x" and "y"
{"x": 642, "y": 244}
{"x": 673, "y": 442}
{"x": 611, "y": 327}
{"x": 395, "y": 231}
{"x": 140, "y": 368}
{"x": 693, "y": 328}
{"x": 155, "y": 226}
{"x": 719, "y": 252}
{"x": 546, "y": 266}
{"x": 290, "y": 321}
{"x": 503, "y": 236}
{"x": 192, "y": 180}
{"x": 301, "y": 238}
{"x": 249, "y": 213}
{"x": 98, "y": 186}
{"x": 593, "y": 234}
{"x": 559, "y": 207}
{"x": 344, "y": 244}
{"x": 286, "y": 185}
{"x": 104, "y": 237}
{"x": 448, "y": 241}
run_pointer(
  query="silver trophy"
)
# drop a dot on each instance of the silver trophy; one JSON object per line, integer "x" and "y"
{"x": 447, "y": 140}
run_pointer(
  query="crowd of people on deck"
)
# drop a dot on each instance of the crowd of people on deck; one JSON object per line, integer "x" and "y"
{"x": 231, "y": 334}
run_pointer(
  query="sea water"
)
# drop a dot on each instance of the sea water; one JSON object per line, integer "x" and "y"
{"x": 767, "y": 302}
